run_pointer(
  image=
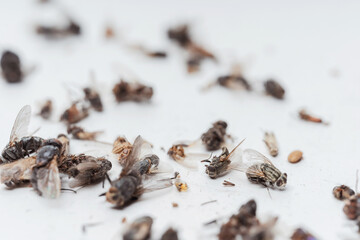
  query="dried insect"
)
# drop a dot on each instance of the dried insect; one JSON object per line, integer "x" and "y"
{"x": 214, "y": 138}
{"x": 219, "y": 165}
{"x": 295, "y": 156}
{"x": 274, "y": 89}
{"x": 122, "y": 147}
{"x": 300, "y": 234}
{"x": 140, "y": 229}
{"x": 11, "y": 67}
{"x": 80, "y": 134}
{"x": 72, "y": 29}
{"x": 307, "y": 117}
{"x": 189, "y": 160}
{"x": 260, "y": 170}
{"x": 18, "y": 173}
{"x": 137, "y": 92}
{"x": 170, "y": 234}
{"x": 227, "y": 183}
{"x": 45, "y": 174}
{"x": 46, "y": 110}
{"x": 77, "y": 112}
{"x": 64, "y": 152}
{"x": 21, "y": 144}
{"x": 180, "y": 184}
{"x": 352, "y": 207}
{"x": 271, "y": 143}
{"x": 85, "y": 169}
{"x": 94, "y": 99}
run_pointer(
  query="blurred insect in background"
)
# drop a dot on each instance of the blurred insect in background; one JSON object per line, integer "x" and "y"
{"x": 140, "y": 229}
{"x": 80, "y": 134}
{"x": 304, "y": 115}
{"x": 214, "y": 137}
{"x": 274, "y": 89}
{"x": 170, "y": 234}
{"x": 92, "y": 95}
{"x": 77, "y": 112}
{"x": 11, "y": 67}
{"x": 343, "y": 192}
{"x": 132, "y": 91}
{"x": 46, "y": 110}
{"x": 271, "y": 143}
{"x": 21, "y": 144}
{"x": 59, "y": 32}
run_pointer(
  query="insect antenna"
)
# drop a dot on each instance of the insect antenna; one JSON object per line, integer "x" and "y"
{"x": 268, "y": 190}
{"x": 234, "y": 150}
{"x": 103, "y": 194}
{"x": 108, "y": 178}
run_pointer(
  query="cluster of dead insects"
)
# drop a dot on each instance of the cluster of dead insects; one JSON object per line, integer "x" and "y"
{"x": 247, "y": 225}
{"x": 30, "y": 160}
{"x": 196, "y": 53}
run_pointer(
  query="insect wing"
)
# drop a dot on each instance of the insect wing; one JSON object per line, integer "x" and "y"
{"x": 21, "y": 124}
{"x": 134, "y": 155}
{"x": 48, "y": 180}
{"x": 252, "y": 156}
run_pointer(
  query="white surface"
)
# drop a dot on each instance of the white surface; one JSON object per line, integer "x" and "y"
{"x": 298, "y": 44}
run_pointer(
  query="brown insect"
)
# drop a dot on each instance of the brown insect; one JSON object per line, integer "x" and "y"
{"x": 180, "y": 154}
{"x": 214, "y": 138}
{"x": 352, "y": 207}
{"x": 132, "y": 91}
{"x": 80, "y": 134}
{"x": 18, "y": 173}
{"x": 122, "y": 147}
{"x": 307, "y": 117}
{"x": 271, "y": 143}
{"x": 54, "y": 32}
{"x": 77, "y": 112}
{"x": 170, "y": 234}
{"x": 46, "y": 110}
{"x": 274, "y": 89}
{"x": 85, "y": 169}
{"x": 301, "y": 234}
{"x": 11, "y": 67}
{"x": 180, "y": 184}
{"x": 140, "y": 229}
{"x": 94, "y": 99}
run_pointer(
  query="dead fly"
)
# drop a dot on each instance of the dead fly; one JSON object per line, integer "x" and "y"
{"x": 45, "y": 174}
{"x": 170, "y": 234}
{"x": 71, "y": 29}
{"x": 307, "y": 117}
{"x": 189, "y": 160}
{"x": 85, "y": 169}
{"x": 18, "y": 173}
{"x": 300, "y": 234}
{"x": 94, "y": 99}
{"x": 214, "y": 138}
{"x": 11, "y": 67}
{"x": 260, "y": 170}
{"x": 271, "y": 143}
{"x": 77, "y": 112}
{"x": 246, "y": 224}
{"x": 128, "y": 186}
{"x": 46, "y": 110}
{"x": 140, "y": 229}
{"x": 352, "y": 207}
{"x": 343, "y": 192}
{"x": 122, "y": 147}
{"x": 274, "y": 89}
{"x": 196, "y": 53}
{"x": 132, "y": 91}
{"x": 80, "y": 134}
{"x": 226, "y": 161}
{"x": 21, "y": 144}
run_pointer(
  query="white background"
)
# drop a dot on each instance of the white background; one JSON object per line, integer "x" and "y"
{"x": 300, "y": 44}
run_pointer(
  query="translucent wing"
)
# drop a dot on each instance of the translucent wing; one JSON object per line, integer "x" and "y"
{"x": 135, "y": 154}
{"x": 21, "y": 124}
{"x": 253, "y": 157}
{"x": 48, "y": 181}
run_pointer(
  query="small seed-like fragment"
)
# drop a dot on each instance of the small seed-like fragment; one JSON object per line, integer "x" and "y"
{"x": 295, "y": 156}
{"x": 175, "y": 205}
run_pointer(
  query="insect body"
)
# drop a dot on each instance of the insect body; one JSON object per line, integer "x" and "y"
{"x": 20, "y": 145}
{"x": 260, "y": 170}
{"x": 140, "y": 229}
{"x": 215, "y": 136}
{"x": 93, "y": 97}
{"x": 122, "y": 147}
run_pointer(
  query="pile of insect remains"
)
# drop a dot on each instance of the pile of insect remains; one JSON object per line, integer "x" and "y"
{"x": 304, "y": 115}
{"x": 129, "y": 186}
{"x": 11, "y": 67}
{"x": 301, "y": 234}
{"x": 214, "y": 137}
{"x": 274, "y": 89}
{"x": 132, "y": 91}
{"x": 140, "y": 229}
{"x": 196, "y": 53}
{"x": 59, "y": 32}
{"x": 46, "y": 109}
{"x": 247, "y": 225}
{"x": 80, "y": 134}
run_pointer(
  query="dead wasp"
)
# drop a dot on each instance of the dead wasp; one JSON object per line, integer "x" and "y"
{"x": 85, "y": 169}
{"x": 219, "y": 165}
{"x": 274, "y": 89}
{"x": 77, "y": 112}
{"x": 343, "y": 192}
{"x": 260, "y": 170}
{"x": 132, "y": 91}
{"x": 45, "y": 174}
{"x": 18, "y": 173}
{"x": 46, "y": 110}
{"x": 94, "y": 99}
{"x": 307, "y": 117}
{"x": 271, "y": 143}
{"x": 21, "y": 144}
{"x": 129, "y": 185}
{"x": 170, "y": 234}
{"x": 140, "y": 229}
{"x": 214, "y": 137}
{"x": 52, "y": 32}
{"x": 11, "y": 67}
{"x": 80, "y": 134}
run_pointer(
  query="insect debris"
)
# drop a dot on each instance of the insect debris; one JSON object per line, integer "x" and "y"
{"x": 301, "y": 234}
{"x": 180, "y": 184}
{"x": 80, "y": 134}
{"x": 140, "y": 229}
{"x": 46, "y": 110}
{"x": 59, "y": 32}
{"x": 304, "y": 115}
{"x": 227, "y": 183}
{"x": 214, "y": 137}
{"x": 352, "y": 207}
{"x": 11, "y": 67}
{"x": 93, "y": 97}
{"x": 132, "y": 91}
{"x": 77, "y": 112}
{"x": 18, "y": 173}
{"x": 271, "y": 143}
{"x": 170, "y": 234}
{"x": 122, "y": 147}
{"x": 274, "y": 89}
